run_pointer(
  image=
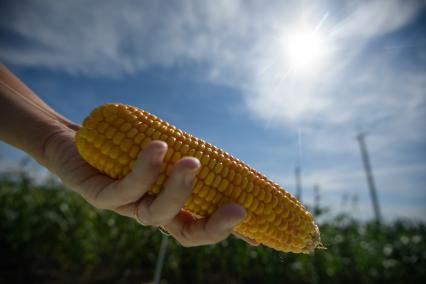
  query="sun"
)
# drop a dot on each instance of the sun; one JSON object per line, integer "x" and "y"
{"x": 304, "y": 50}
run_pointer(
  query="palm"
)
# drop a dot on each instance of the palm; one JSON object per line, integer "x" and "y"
{"x": 67, "y": 164}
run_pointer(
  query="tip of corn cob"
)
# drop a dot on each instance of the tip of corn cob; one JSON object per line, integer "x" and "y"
{"x": 113, "y": 135}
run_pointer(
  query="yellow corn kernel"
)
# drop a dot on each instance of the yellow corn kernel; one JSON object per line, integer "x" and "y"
{"x": 113, "y": 135}
{"x": 209, "y": 179}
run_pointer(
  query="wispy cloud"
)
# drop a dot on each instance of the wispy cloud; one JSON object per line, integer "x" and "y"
{"x": 110, "y": 38}
{"x": 367, "y": 19}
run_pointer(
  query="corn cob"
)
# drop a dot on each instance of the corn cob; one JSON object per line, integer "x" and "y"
{"x": 113, "y": 135}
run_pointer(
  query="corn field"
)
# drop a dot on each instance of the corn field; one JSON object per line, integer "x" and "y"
{"x": 50, "y": 235}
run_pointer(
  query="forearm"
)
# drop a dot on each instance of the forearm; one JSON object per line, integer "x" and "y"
{"x": 26, "y": 121}
{"x": 13, "y": 83}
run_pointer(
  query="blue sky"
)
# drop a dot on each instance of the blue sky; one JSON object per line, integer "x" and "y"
{"x": 229, "y": 72}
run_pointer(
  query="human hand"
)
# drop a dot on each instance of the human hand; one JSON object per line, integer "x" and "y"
{"x": 48, "y": 137}
{"x": 128, "y": 196}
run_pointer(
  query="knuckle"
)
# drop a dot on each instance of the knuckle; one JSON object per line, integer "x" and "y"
{"x": 216, "y": 239}
{"x": 92, "y": 197}
{"x": 185, "y": 244}
{"x": 187, "y": 232}
{"x": 128, "y": 195}
{"x": 149, "y": 218}
{"x": 101, "y": 206}
{"x": 155, "y": 222}
{"x": 215, "y": 236}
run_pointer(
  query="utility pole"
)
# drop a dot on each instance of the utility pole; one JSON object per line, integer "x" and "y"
{"x": 298, "y": 184}
{"x": 354, "y": 202}
{"x": 369, "y": 174}
{"x": 316, "y": 199}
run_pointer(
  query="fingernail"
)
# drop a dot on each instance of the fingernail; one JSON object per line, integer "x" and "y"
{"x": 237, "y": 219}
{"x": 189, "y": 176}
{"x": 234, "y": 222}
{"x": 157, "y": 157}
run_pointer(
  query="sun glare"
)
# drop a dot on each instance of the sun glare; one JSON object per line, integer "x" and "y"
{"x": 304, "y": 50}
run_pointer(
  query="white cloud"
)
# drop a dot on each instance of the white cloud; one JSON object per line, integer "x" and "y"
{"x": 109, "y": 38}
{"x": 367, "y": 19}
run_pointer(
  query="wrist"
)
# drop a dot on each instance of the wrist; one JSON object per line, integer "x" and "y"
{"x": 26, "y": 122}
{"x": 48, "y": 133}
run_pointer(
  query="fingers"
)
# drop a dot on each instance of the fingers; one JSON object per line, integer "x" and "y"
{"x": 137, "y": 182}
{"x": 171, "y": 199}
{"x": 163, "y": 208}
{"x": 206, "y": 231}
